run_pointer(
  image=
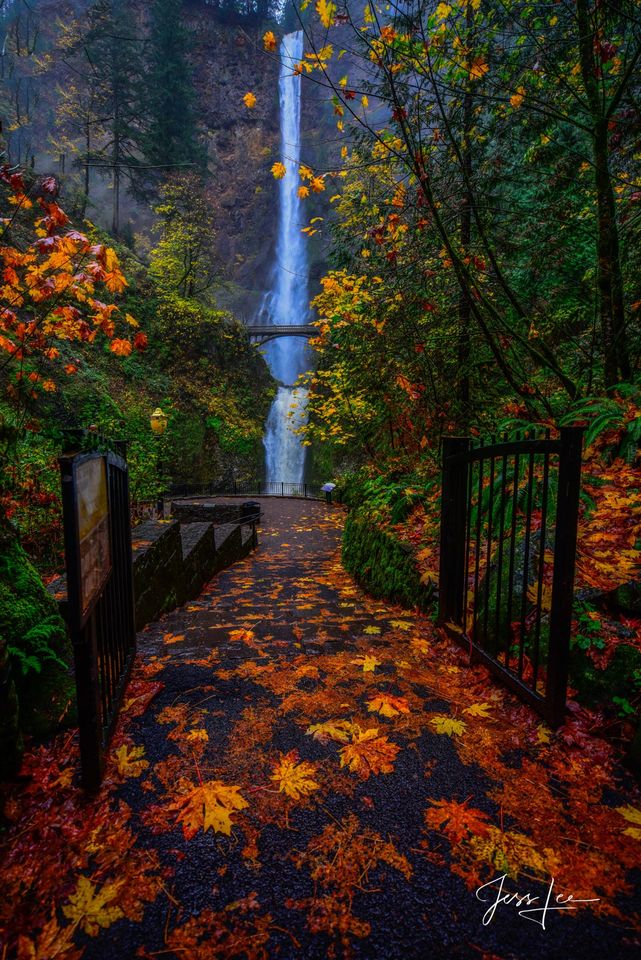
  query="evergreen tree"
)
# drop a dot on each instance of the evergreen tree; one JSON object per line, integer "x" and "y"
{"x": 112, "y": 49}
{"x": 170, "y": 138}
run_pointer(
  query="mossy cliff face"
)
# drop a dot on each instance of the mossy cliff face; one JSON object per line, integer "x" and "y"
{"x": 36, "y": 686}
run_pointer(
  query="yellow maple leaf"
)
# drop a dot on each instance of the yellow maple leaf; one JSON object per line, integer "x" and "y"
{"x": 198, "y": 735}
{"x": 325, "y": 12}
{"x": 372, "y": 630}
{"x": 443, "y": 11}
{"x": 249, "y": 100}
{"x": 269, "y": 41}
{"x": 368, "y": 753}
{"x": 294, "y": 779}
{"x": 279, "y": 170}
{"x": 368, "y": 663}
{"x": 91, "y": 908}
{"x": 303, "y": 192}
{"x": 419, "y": 645}
{"x": 208, "y": 806}
{"x": 632, "y": 815}
{"x": 479, "y": 710}
{"x": 338, "y": 730}
{"x": 130, "y": 762}
{"x": 388, "y": 705}
{"x": 542, "y": 734}
{"x": 448, "y": 725}
{"x": 400, "y": 624}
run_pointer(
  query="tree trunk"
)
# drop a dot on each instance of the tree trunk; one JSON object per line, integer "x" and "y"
{"x": 464, "y": 305}
{"x": 616, "y": 362}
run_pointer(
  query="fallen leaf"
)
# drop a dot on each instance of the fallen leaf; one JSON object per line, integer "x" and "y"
{"x": 294, "y": 779}
{"x": 368, "y": 753}
{"x": 479, "y": 710}
{"x": 93, "y": 909}
{"x": 337, "y": 730}
{"x": 388, "y": 705}
{"x": 368, "y": 663}
{"x": 130, "y": 762}
{"x": 448, "y": 725}
{"x": 208, "y": 806}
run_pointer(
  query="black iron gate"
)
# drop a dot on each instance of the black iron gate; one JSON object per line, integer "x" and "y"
{"x": 95, "y": 497}
{"x": 509, "y": 519}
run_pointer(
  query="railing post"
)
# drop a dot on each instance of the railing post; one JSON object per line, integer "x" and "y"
{"x": 453, "y": 530}
{"x": 282, "y": 489}
{"x": 567, "y": 517}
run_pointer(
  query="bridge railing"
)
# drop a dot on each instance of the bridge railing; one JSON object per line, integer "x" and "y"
{"x": 252, "y": 488}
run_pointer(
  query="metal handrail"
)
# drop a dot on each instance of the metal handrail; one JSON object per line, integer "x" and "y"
{"x": 250, "y": 488}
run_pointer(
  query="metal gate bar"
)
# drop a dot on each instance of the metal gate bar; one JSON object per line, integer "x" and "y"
{"x": 505, "y": 591}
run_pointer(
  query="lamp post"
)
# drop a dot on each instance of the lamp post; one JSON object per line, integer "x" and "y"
{"x": 158, "y": 422}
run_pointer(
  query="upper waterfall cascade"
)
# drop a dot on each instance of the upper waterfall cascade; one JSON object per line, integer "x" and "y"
{"x": 287, "y": 302}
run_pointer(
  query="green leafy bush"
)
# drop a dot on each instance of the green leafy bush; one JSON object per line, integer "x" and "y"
{"x": 37, "y": 644}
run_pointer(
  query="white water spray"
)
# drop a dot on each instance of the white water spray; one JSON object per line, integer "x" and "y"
{"x": 287, "y": 302}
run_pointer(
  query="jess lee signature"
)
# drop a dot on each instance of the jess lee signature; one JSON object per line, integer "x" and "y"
{"x": 495, "y": 894}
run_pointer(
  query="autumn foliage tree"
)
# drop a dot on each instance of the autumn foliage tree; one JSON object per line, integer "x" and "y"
{"x": 53, "y": 276}
{"x": 486, "y": 221}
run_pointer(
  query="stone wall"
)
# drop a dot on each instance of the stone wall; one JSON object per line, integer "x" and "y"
{"x": 172, "y": 561}
{"x": 194, "y": 511}
{"x": 158, "y": 568}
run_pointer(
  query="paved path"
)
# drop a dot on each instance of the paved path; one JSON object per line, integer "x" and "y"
{"x": 302, "y": 771}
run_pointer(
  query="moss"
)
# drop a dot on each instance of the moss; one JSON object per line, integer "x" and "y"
{"x": 36, "y": 640}
{"x": 382, "y": 563}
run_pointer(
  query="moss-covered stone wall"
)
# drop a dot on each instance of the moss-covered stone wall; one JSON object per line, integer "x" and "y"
{"x": 382, "y": 563}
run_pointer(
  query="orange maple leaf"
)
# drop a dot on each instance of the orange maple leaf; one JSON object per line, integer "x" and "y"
{"x": 388, "y": 705}
{"x": 208, "y": 806}
{"x": 456, "y": 820}
{"x": 368, "y": 753}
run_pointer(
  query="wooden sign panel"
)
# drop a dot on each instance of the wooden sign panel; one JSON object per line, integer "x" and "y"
{"x": 92, "y": 505}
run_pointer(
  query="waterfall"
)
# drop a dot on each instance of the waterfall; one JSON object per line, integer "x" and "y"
{"x": 287, "y": 302}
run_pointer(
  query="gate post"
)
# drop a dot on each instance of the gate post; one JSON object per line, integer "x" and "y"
{"x": 567, "y": 518}
{"x": 451, "y": 589}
